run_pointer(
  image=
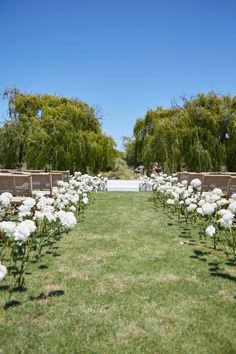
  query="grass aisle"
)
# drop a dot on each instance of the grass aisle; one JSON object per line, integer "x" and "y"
{"x": 129, "y": 287}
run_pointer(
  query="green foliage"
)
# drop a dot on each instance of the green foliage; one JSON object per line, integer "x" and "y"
{"x": 129, "y": 146}
{"x": 199, "y": 136}
{"x": 120, "y": 170}
{"x": 58, "y": 132}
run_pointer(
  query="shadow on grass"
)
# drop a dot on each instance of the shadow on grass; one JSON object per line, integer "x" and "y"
{"x": 214, "y": 269}
{"x": 199, "y": 254}
{"x": 4, "y": 287}
{"x": 56, "y": 255}
{"x": 43, "y": 296}
{"x": 231, "y": 264}
{"x": 214, "y": 266}
{"x": 43, "y": 266}
{"x": 185, "y": 234}
{"x": 36, "y": 260}
{"x": 191, "y": 242}
{"x": 56, "y": 293}
{"x": 20, "y": 289}
{"x": 11, "y": 303}
{"x": 224, "y": 276}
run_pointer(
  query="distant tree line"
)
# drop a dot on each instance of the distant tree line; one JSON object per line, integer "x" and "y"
{"x": 46, "y": 131}
{"x": 199, "y": 135}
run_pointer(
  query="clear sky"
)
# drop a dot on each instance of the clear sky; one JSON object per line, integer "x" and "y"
{"x": 123, "y": 55}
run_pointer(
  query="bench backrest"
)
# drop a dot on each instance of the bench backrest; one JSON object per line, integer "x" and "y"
{"x": 56, "y": 176}
{"x": 182, "y": 176}
{"x": 231, "y": 185}
{"x": 17, "y": 185}
{"x": 42, "y": 181}
{"x": 64, "y": 175}
{"x": 194, "y": 176}
{"x": 23, "y": 184}
{"x": 215, "y": 181}
{"x": 35, "y": 171}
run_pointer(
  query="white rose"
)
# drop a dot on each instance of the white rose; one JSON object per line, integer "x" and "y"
{"x": 8, "y": 227}
{"x": 3, "y": 271}
{"x": 207, "y": 209}
{"x": 196, "y": 183}
{"x": 210, "y": 230}
{"x": 191, "y": 207}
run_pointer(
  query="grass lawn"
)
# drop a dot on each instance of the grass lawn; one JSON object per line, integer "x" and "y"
{"x": 125, "y": 284}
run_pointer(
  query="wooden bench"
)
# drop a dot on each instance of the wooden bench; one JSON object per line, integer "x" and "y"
{"x": 62, "y": 176}
{"x": 56, "y": 176}
{"x": 231, "y": 186}
{"x": 215, "y": 181}
{"x": 195, "y": 175}
{"x": 42, "y": 182}
{"x": 182, "y": 176}
{"x": 16, "y": 184}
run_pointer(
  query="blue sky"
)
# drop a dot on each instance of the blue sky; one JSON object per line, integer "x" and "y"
{"x": 124, "y": 55}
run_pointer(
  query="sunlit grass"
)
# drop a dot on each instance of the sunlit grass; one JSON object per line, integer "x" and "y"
{"x": 123, "y": 283}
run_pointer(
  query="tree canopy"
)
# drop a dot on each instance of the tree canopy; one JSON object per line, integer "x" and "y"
{"x": 53, "y": 132}
{"x": 199, "y": 135}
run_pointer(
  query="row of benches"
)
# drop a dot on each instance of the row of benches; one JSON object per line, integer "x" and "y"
{"x": 224, "y": 181}
{"x": 25, "y": 183}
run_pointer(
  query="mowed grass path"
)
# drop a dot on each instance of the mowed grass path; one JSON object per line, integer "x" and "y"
{"x": 129, "y": 287}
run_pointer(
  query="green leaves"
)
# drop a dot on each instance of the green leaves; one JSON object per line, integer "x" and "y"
{"x": 199, "y": 136}
{"x": 56, "y": 132}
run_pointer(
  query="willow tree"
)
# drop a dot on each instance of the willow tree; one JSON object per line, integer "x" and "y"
{"x": 200, "y": 135}
{"x": 55, "y": 132}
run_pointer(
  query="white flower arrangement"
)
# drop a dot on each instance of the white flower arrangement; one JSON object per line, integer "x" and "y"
{"x": 40, "y": 220}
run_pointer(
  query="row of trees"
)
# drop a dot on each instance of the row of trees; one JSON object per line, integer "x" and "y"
{"x": 199, "y": 135}
{"x": 54, "y": 132}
